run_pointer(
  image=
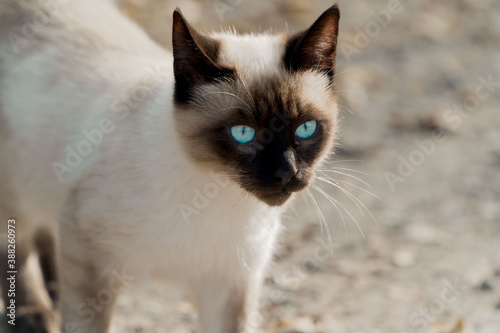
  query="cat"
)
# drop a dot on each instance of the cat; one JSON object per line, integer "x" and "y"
{"x": 119, "y": 159}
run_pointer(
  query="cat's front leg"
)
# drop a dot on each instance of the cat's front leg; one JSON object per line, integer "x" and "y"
{"x": 89, "y": 283}
{"x": 88, "y": 296}
{"x": 228, "y": 307}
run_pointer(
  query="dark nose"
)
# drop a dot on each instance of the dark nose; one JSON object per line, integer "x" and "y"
{"x": 285, "y": 175}
{"x": 287, "y": 168}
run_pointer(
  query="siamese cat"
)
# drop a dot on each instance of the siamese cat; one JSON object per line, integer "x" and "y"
{"x": 119, "y": 159}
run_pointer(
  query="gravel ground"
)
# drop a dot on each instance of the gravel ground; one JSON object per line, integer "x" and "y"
{"x": 421, "y": 179}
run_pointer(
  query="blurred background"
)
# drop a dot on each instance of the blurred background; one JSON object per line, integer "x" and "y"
{"x": 415, "y": 233}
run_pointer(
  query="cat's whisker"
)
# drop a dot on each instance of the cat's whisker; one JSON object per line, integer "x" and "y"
{"x": 247, "y": 90}
{"x": 352, "y": 196}
{"x": 242, "y": 262}
{"x": 334, "y": 203}
{"x": 323, "y": 223}
{"x": 338, "y": 63}
{"x": 331, "y": 154}
{"x": 345, "y": 107}
{"x": 364, "y": 190}
{"x": 358, "y": 91}
{"x": 297, "y": 214}
{"x": 308, "y": 193}
{"x": 347, "y": 193}
{"x": 363, "y": 205}
{"x": 347, "y": 211}
{"x": 346, "y": 161}
{"x": 236, "y": 206}
{"x": 233, "y": 95}
{"x": 345, "y": 71}
{"x": 332, "y": 70}
{"x": 353, "y": 170}
{"x": 303, "y": 196}
{"x": 324, "y": 172}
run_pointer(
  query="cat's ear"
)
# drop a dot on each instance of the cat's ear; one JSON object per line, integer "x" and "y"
{"x": 315, "y": 47}
{"x": 195, "y": 58}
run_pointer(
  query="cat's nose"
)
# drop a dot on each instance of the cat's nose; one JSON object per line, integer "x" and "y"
{"x": 287, "y": 167}
{"x": 285, "y": 175}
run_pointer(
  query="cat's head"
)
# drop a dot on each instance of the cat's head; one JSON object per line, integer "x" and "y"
{"x": 259, "y": 108}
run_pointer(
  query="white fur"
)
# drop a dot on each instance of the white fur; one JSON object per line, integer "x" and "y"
{"x": 252, "y": 54}
{"x": 121, "y": 206}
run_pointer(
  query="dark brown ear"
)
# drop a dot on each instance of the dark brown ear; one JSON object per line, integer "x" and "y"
{"x": 195, "y": 58}
{"x": 315, "y": 47}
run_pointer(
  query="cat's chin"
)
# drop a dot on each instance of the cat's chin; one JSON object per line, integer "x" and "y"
{"x": 274, "y": 199}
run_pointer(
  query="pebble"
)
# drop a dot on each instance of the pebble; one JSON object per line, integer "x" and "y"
{"x": 485, "y": 286}
{"x": 301, "y": 324}
{"x": 403, "y": 258}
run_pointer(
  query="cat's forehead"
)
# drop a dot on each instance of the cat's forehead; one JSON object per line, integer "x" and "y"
{"x": 251, "y": 54}
{"x": 294, "y": 95}
{"x": 264, "y": 80}
{"x": 299, "y": 96}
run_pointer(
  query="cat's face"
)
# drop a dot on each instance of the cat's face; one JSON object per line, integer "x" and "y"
{"x": 259, "y": 109}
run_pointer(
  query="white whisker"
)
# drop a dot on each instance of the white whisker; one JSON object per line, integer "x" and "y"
{"x": 359, "y": 92}
{"x": 346, "y": 108}
{"x": 354, "y": 198}
{"x": 358, "y": 187}
{"x": 297, "y": 214}
{"x": 347, "y": 211}
{"x": 323, "y": 222}
{"x": 364, "y": 190}
{"x": 344, "y": 174}
{"x": 233, "y": 95}
{"x": 356, "y": 171}
{"x": 334, "y": 203}
{"x": 347, "y": 193}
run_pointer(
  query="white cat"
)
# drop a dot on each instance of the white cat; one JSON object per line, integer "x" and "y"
{"x": 140, "y": 166}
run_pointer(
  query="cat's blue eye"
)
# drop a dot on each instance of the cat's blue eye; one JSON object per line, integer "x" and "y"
{"x": 306, "y": 130}
{"x": 242, "y": 133}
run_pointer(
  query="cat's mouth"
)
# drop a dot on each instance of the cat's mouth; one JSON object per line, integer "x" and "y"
{"x": 274, "y": 193}
{"x": 274, "y": 199}
{"x": 276, "y": 196}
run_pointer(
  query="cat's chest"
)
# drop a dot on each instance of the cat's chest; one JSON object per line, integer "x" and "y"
{"x": 235, "y": 243}
{"x": 180, "y": 231}
{"x": 224, "y": 223}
